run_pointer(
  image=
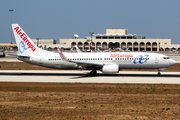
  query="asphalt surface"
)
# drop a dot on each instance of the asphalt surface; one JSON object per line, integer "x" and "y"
{"x": 84, "y": 77}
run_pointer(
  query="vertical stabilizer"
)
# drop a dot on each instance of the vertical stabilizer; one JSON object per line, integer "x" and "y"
{"x": 24, "y": 43}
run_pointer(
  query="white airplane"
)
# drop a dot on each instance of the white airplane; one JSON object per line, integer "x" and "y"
{"x": 111, "y": 62}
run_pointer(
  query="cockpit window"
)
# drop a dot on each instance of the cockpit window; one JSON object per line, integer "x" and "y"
{"x": 166, "y": 58}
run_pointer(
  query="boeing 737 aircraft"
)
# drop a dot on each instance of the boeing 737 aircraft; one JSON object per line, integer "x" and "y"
{"x": 111, "y": 62}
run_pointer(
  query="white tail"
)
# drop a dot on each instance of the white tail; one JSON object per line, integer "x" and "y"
{"x": 24, "y": 43}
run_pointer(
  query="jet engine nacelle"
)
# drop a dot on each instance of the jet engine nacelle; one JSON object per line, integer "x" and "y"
{"x": 110, "y": 69}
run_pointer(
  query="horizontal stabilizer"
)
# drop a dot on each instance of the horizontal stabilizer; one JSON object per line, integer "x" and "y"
{"x": 24, "y": 56}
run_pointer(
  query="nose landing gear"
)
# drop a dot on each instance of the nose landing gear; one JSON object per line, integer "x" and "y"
{"x": 159, "y": 73}
{"x": 160, "y": 70}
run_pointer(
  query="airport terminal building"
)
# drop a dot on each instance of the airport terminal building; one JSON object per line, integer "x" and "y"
{"x": 118, "y": 38}
{"x": 114, "y": 38}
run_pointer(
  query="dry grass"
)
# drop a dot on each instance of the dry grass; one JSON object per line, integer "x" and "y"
{"x": 89, "y": 101}
{"x": 86, "y": 101}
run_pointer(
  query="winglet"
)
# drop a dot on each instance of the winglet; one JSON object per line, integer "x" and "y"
{"x": 61, "y": 54}
{"x": 77, "y": 49}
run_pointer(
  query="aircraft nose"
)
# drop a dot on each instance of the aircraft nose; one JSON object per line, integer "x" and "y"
{"x": 173, "y": 62}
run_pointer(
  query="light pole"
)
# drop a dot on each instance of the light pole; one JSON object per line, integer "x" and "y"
{"x": 37, "y": 41}
{"x": 91, "y": 38}
{"x": 11, "y": 24}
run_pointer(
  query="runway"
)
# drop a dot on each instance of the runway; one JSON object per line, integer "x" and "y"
{"x": 83, "y": 77}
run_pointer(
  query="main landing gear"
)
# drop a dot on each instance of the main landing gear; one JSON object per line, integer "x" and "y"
{"x": 159, "y": 73}
{"x": 93, "y": 72}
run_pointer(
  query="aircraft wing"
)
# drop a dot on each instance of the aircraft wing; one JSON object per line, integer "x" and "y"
{"x": 18, "y": 55}
{"x": 78, "y": 63}
{"x": 86, "y": 64}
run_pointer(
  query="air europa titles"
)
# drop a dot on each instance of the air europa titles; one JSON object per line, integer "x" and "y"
{"x": 121, "y": 55}
{"x": 24, "y": 38}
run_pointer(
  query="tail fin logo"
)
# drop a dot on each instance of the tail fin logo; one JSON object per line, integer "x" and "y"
{"x": 24, "y": 37}
{"x": 22, "y": 47}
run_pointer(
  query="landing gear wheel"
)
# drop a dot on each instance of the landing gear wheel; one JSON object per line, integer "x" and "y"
{"x": 93, "y": 72}
{"x": 159, "y": 73}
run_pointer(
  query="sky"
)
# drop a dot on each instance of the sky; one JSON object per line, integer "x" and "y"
{"x": 59, "y": 19}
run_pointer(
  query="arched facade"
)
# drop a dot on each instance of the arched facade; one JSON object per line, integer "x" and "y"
{"x": 116, "y": 45}
{"x": 167, "y": 49}
{"x": 135, "y": 46}
{"x": 98, "y": 45}
{"x": 111, "y": 45}
{"x": 148, "y": 46}
{"x": 80, "y": 45}
{"x": 73, "y": 44}
{"x": 123, "y": 45}
{"x": 142, "y": 46}
{"x": 173, "y": 49}
{"x": 86, "y": 46}
{"x": 154, "y": 46}
{"x": 104, "y": 45}
{"x": 132, "y": 46}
